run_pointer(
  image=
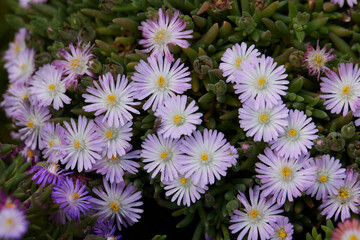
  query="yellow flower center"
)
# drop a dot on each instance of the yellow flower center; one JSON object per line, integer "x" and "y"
{"x": 113, "y": 158}
{"x": 253, "y": 214}
{"x": 263, "y": 117}
{"x": 111, "y": 98}
{"x": 323, "y": 178}
{"x": 285, "y": 172}
{"x": 161, "y": 81}
{"x": 238, "y": 61}
{"x": 261, "y": 81}
{"x": 292, "y": 132}
{"x": 346, "y": 90}
{"x": 343, "y": 193}
{"x": 109, "y": 134}
{"x": 204, "y": 157}
{"x": 177, "y": 119}
{"x": 51, "y": 143}
{"x": 51, "y": 87}
{"x": 318, "y": 59}
{"x": 159, "y": 35}
{"x": 30, "y": 153}
{"x": 74, "y": 63}
{"x": 183, "y": 180}
{"x": 114, "y": 207}
{"x": 10, "y": 221}
{"x": 22, "y": 66}
{"x": 76, "y": 144}
{"x": 353, "y": 237}
{"x": 25, "y": 96}
{"x": 30, "y": 123}
{"x": 9, "y": 204}
{"x": 282, "y": 234}
{"x": 163, "y": 155}
{"x": 16, "y": 47}
{"x": 75, "y": 196}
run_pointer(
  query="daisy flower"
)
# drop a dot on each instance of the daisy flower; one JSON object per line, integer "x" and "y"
{"x": 48, "y": 88}
{"x": 348, "y": 230}
{"x": 161, "y": 155}
{"x": 316, "y": 59}
{"x": 72, "y": 197}
{"x": 14, "y": 97}
{"x": 232, "y": 58}
{"x": 114, "y": 167}
{"x": 30, "y": 155}
{"x": 351, "y": 3}
{"x": 262, "y": 81}
{"x": 263, "y": 122}
{"x": 13, "y": 223}
{"x": 284, "y": 178}
{"x": 76, "y": 64}
{"x": 298, "y": 136}
{"x": 25, "y": 3}
{"x": 233, "y": 152}
{"x": 347, "y": 198}
{"x": 184, "y": 190}
{"x": 161, "y": 32}
{"x": 53, "y": 140}
{"x": 341, "y": 91}
{"x": 21, "y": 68}
{"x": 31, "y": 120}
{"x": 116, "y": 139}
{"x": 160, "y": 79}
{"x": 329, "y": 176}
{"x": 83, "y": 144}
{"x": 255, "y": 217}
{"x": 176, "y": 118}
{"x": 106, "y": 229}
{"x": 50, "y": 173}
{"x": 16, "y": 47}
{"x": 119, "y": 202}
{"x": 206, "y": 156}
{"x": 114, "y": 98}
{"x": 282, "y": 229}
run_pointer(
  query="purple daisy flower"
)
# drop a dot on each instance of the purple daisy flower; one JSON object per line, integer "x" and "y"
{"x": 351, "y": 3}
{"x": 16, "y": 47}
{"x": 298, "y": 136}
{"x": 262, "y": 122}
{"x": 119, "y": 202}
{"x": 176, "y": 118}
{"x": 329, "y": 176}
{"x": 21, "y": 68}
{"x": 72, "y": 197}
{"x": 30, "y": 155}
{"x": 255, "y": 217}
{"x": 60, "y": 216}
{"x": 161, "y": 32}
{"x": 113, "y": 98}
{"x": 341, "y": 91}
{"x": 76, "y": 64}
{"x": 232, "y": 58}
{"x": 53, "y": 140}
{"x": 83, "y": 144}
{"x": 263, "y": 81}
{"x": 347, "y": 198}
{"x": 206, "y": 156}
{"x": 14, "y": 97}
{"x": 282, "y": 229}
{"x": 284, "y": 178}
{"x": 50, "y": 173}
{"x": 13, "y": 223}
{"x": 160, "y": 79}
{"x": 106, "y": 229}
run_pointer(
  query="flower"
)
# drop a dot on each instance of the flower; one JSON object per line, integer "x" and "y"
{"x": 114, "y": 167}
{"x": 113, "y": 98}
{"x": 31, "y": 120}
{"x": 232, "y": 58}
{"x": 329, "y": 176}
{"x": 13, "y": 223}
{"x": 160, "y": 79}
{"x": 25, "y": 3}
{"x": 83, "y": 144}
{"x": 53, "y": 140}
{"x": 161, "y": 32}
{"x": 72, "y": 197}
{"x": 298, "y": 136}
{"x": 48, "y": 88}
{"x": 20, "y": 69}
{"x": 282, "y": 229}
{"x": 341, "y": 91}
{"x": 119, "y": 202}
{"x": 106, "y": 229}
{"x": 116, "y": 139}
{"x": 347, "y": 198}
{"x": 351, "y": 3}
{"x": 76, "y": 63}
{"x": 50, "y": 173}
{"x": 206, "y": 156}
{"x": 60, "y": 216}
{"x": 262, "y": 81}
{"x": 282, "y": 177}
{"x": 262, "y": 122}
{"x": 184, "y": 190}
{"x": 316, "y": 59}
{"x": 255, "y": 217}
{"x": 30, "y": 155}
{"x": 14, "y": 97}
{"x": 348, "y": 230}
{"x": 178, "y": 119}
{"x": 161, "y": 155}
{"x": 16, "y": 47}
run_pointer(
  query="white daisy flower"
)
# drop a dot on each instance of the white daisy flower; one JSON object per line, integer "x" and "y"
{"x": 16, "y": 47}
{"x": 176, "y": 118}
{"x": 21, "y": 68}
{"x": 14, "y": 97}
{"x": 13, "y": 223}
{"x": 53, "y": 140}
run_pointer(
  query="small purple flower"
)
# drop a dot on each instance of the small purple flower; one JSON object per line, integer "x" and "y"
{"x": 21, "y": 68}
{"x": 25, "y": 3}
{"x": 76, "y": 63}
{"x": 14, "y": 97}
{"x": 53, "y": 141}
{"x": 351, "y": 3}
{"x": 50, "y": 173}
{"x": 16, "y": 47}
{"x": 282, "y": 229}
{"x": 106, "y": 229}
{"x": 72, "y": 198}
{"x": 30, "y": 155}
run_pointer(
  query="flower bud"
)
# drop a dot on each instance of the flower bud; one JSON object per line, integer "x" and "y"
{"x": 321, "y": 143}
{"x": 348, "y": 130}
{"x": 353, "y": 149}
{"x": 231, "y": 206}
{"x": 247, "y": 148}
{"x": 202, "y": 64}
{"x": 295, "y": 58}
{"x": 336, "y": 141}
{"x": 209, "y": 200}
{"x": 221, "y": 5}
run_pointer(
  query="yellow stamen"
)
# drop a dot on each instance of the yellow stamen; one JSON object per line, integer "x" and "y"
{"x": 346, "y": 90}
{"x": 177, "y": 119}
{"x": 111, "y": 98}
{"x": 109, "y": 134}
{"x": 9, "y": 204}
{"x": 353, "y": 237}
{"x": 253, "y": 214}
{"x": 76, "y": 144}
{"x": 282, "y": 234}
{"x": 51, "y": 143}
{"x": 263, "y": 117}
{"x": 74, "y": 63}
{"x": 25, "y": 96}
{"x": 22, "y": 66}
{"x": 343, "y": 193}
{"x": 113, "y": 158}
{"x": 318, "y": 59}
{"x": 159, "y": 35}
{"x": 285, "y": 172}
{"x": 75, "y": 196}
{"x": 292, "y": 132}
{"x": 16, "y": 47}
{"x": 238, "y": 61}
{"x": 51, "y": 86}
{"x": 114, "y": 207}
{"x": 163, "y": 155}
{"x": 30, "y": 153}
{"x": 30, "y": 123}
{"x": 323, "y": 178}
{"x": 204, "y": 157}
{"x": 183, "y": 180}
{"x": 261, "y": 81}
{"x": 10, "y": 221}
{"x": 161, "y": 81}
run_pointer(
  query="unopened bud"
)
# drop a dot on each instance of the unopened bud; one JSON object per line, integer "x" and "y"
{"x": 336, "y": 141}
{"x": 202, "y": 64}
{"x": 321, "y": 143}
{"x": 353, "y": 149}
{"x": 348, "y": 130}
